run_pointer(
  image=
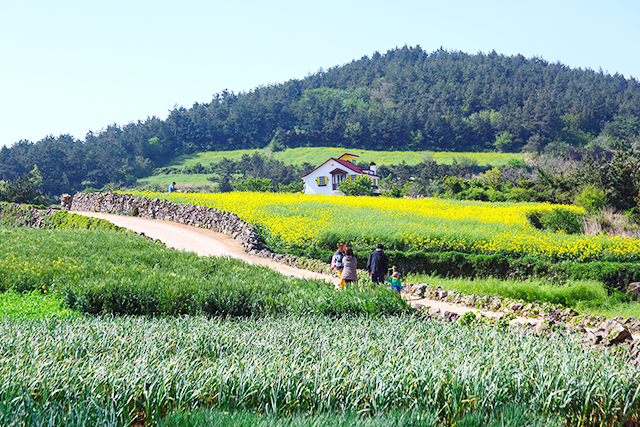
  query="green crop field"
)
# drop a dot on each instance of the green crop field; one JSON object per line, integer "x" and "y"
{"x": 104, "y": 327}
{"x": 116, "y": 371}
{"x": 101, "y": 272}
{"x": 191, "y": 182}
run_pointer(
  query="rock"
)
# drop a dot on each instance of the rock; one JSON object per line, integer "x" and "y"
{"x": 441, "y": 294}
{"x": 422, "y": 289}
{"x": 450, "y": 316}
{"x": 594, "y": 337}
{"x": 634, "y": 289}
{"x": 65, "y": 201}
{"x": 433, "y": 312}
{"x": 617, "y": 333}
{"x": 418, "y": 308}
{"x": 516, "y": 306}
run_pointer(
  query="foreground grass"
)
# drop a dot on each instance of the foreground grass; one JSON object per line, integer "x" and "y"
{"x": 511, "y": 416}
{"x": 123, "y": 370}
{"x": 585, "y": 296}
{"x": 33, "y": 305}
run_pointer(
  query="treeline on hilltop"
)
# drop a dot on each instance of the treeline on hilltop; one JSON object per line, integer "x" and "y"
{"x": 404, "y": 99}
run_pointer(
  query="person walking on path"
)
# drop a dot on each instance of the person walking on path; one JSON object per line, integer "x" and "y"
{"x": 336, "y": 262}
{"x": 377, "y": 265}
{"x": 349, "y": 273}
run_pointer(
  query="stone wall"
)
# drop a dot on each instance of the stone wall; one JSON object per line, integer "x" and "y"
{"x": 199, "y": 216}
{"x": 15, "y": 215}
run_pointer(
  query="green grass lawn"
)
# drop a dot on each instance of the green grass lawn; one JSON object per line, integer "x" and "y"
{"x": 312, "y": 155}
{"x": 187, "y": 182}
{"x": 317, "y": 155}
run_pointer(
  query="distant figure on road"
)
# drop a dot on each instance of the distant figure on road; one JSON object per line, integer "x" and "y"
{"x": 172, "y": 187}
{"x": 377, "y": 265}
{"x": 349, "y": 274}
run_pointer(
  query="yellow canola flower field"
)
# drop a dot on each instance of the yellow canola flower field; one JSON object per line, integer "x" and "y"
{"x": 302, "y": 221}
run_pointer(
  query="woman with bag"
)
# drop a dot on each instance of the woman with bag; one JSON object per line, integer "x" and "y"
{"x": 349, "y": 273}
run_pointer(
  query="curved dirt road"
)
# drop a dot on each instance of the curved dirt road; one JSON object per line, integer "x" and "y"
{"x": 202, "y": 241}
{"x": 206, "y": 242}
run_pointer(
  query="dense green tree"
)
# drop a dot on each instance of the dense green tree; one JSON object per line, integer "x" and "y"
{"x": 403, "y": 99}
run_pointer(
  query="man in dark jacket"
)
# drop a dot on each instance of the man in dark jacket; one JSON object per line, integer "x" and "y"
{"x": 378, "y": 265}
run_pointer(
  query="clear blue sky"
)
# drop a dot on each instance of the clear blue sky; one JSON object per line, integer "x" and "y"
{"x": 71, "y": 66}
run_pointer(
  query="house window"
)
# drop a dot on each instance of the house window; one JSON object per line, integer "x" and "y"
{"x": 321, "y": 181}
{"x": 353, "y": 161}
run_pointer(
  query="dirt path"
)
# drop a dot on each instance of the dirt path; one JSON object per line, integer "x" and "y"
{"x": 205, "y": 242}
{"x": 202, "y": 241}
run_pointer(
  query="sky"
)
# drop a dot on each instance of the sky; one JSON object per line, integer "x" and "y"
{"x": 75, "y": 66}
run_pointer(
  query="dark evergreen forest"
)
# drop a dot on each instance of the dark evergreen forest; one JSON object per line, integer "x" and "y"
{"x": 406, "y": 99}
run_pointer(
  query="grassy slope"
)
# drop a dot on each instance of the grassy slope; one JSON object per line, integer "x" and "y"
{"x": 109, "y": 272}
{"x": 183, "y": 181}
{"x": 317, "y": 155}
{"x": 313, "y": 155}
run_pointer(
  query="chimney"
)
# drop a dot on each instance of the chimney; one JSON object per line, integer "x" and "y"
{"x": 373, "y": 169}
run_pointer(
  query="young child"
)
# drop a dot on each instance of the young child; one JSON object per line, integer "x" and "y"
{"x": 395, "y": 282}
{"x": 337, "y": 264}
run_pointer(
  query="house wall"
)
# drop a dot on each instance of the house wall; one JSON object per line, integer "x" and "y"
{"x": 311, "y": 186}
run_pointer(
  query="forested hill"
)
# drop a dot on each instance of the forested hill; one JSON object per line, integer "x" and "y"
{"x": 404, "y": 99}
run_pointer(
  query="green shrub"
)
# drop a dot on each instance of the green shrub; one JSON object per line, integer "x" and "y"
{"x": 262, "y": 185}
{"x": 591, "y": 199}
{"x": 557, "y": 220}
{"x": 67, "y": 220}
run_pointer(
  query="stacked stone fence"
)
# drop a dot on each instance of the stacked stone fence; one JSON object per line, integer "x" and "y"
{"x": 16, "y": 215}
{"x": 199, "y": 216}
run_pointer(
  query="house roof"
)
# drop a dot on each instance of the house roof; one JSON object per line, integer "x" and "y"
{"x": 338, "y": 171}
{"x": 350, "y": 166}
{"x": 350, "y": 155}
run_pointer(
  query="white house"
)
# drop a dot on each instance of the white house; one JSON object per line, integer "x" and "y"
{"x": 326, "y": 178}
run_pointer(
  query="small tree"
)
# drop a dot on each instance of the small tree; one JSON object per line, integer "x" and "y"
{"x": 23, "y": 190}
{"x": 294, "y": 187}
{"x": 224, "y": 186}
{"x": 261, "y": 185}
{"x": 504, "y": 142}
{"x": 361, "y": 186}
